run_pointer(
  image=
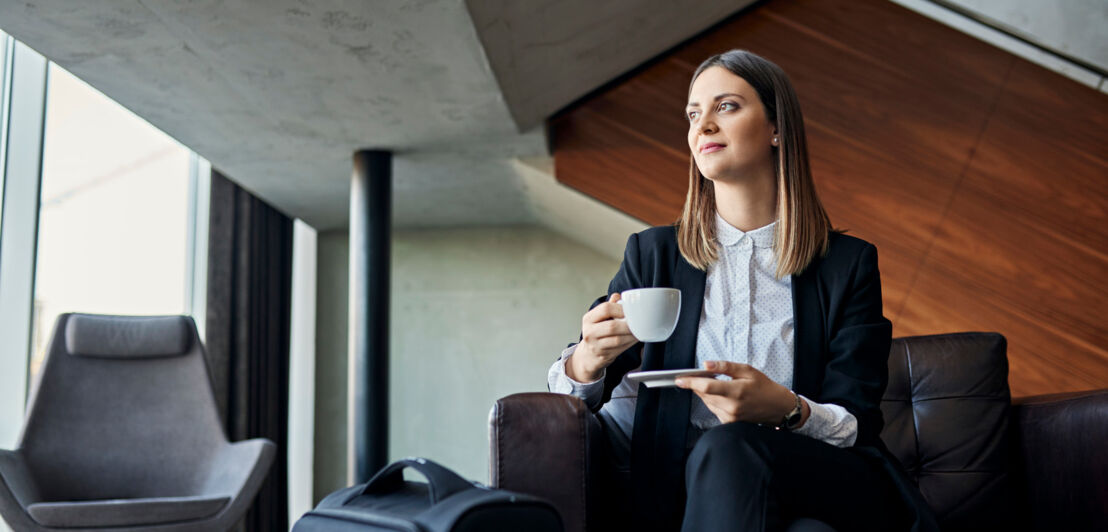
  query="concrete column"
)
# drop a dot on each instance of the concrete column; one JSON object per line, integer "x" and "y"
{"x": 370, "y": 241}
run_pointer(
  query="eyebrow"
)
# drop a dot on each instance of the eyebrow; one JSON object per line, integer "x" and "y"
{"x": 716, "y": 99}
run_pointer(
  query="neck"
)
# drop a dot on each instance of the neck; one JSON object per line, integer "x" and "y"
{"x": 749, "y": 203}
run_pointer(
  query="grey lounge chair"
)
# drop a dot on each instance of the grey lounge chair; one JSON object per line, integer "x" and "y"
{"x": 122, "y": 434}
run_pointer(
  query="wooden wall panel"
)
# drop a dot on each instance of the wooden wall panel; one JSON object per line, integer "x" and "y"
{"x": 982, "y": 178}
{"x": 1027, "y": 231}
{"x": 612, "y": 164}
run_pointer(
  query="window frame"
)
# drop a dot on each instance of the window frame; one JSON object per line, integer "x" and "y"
{"x": 26, "y": 81}
{"x": 24, "y": 121}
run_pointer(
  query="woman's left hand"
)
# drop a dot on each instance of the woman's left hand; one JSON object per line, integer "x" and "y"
{"x": 749, "y": 396}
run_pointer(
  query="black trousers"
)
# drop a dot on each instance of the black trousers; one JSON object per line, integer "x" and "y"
{"x": 742, "y": 476}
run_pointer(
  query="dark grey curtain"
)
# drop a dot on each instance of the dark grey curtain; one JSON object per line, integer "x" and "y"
{"x": 249, "y": 299}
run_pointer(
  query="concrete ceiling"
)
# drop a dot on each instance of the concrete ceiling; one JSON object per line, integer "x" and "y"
{"x": 279, "y": 94}
{"x": 1075, "y": 27}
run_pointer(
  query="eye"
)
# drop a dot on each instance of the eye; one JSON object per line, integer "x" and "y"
{"x": 691, "y": 115}
{"x": 732, "y": 104}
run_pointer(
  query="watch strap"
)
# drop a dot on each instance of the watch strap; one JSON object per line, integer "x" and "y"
{"x": 794, "y": 415}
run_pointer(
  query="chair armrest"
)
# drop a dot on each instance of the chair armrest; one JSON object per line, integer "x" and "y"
{"x": 18, "y": 489}
{"x": 548, "y": 445}
{"x": 234, "y": 465}
{"x": 1062, "y": 458}
{"x": 17, "y": 478}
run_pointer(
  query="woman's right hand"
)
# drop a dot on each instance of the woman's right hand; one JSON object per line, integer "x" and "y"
{"x": 604, "y": 336}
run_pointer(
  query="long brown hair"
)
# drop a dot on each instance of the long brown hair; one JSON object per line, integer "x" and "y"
{"x": 802, "y": 232}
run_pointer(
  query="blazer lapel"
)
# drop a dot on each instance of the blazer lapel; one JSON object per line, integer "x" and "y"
{"x": 681, "y": 347}
{"x": 808, "y": 332}
{"x": 662, "y": 418}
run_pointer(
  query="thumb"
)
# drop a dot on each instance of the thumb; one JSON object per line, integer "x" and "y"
{"x": 614, "y": 297}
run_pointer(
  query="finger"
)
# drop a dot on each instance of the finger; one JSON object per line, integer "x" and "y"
{"x": 604, "y": 311}
{"x": 595, "y": 314}
{"x": 628, "y": 340}
{"x": 733, "y": 369}
{"x": 719, "y": 406}
{"x": 609, "y": 334}
{"x": 616, "y": 309}
{"x": 714, "y": 403}
{"x": 705, "y": 385}
{"x": 722, "y": 407}
{"x": 616, "y": 328}
{"x": 620, "y": 342}
{"x": 716, "y": 387}
{"x": 608, "y": 328}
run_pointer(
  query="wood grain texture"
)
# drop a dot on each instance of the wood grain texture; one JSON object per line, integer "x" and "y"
{"x": 982, "y": 178}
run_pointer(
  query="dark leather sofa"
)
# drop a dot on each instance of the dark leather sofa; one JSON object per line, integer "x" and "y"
{"x": 981, "y": 460}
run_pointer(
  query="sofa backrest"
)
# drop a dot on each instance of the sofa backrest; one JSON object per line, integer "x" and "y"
{"x": 946, "y": 419}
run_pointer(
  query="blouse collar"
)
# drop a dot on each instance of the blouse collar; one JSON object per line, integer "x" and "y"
{"x": 730, "y": 235}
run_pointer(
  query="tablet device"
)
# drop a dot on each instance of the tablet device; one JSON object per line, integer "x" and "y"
{"x": 664, "y": 378}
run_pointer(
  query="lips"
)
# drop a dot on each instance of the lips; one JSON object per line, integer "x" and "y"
{"x": 711, "y": 147}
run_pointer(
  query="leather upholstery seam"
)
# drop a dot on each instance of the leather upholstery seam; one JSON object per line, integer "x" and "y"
{"x": 946, "y": 336}
{"x": 972, "y": 396}
{"x": 911, "y": 390}
{"x": 958, "y": 471}
{"x": 1058, "y": 403}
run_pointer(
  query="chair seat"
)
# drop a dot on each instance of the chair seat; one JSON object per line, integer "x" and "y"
{"x": 125, "y": 512}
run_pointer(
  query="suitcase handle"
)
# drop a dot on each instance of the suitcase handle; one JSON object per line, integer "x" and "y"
{"x": 441, "y": 481}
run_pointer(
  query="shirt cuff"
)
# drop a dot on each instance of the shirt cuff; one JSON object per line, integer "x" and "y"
{"x": 829, "y": 423}
{"x": 558, "y": 382}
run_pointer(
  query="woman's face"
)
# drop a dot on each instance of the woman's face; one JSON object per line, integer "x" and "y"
{"x": 725, "y": 110}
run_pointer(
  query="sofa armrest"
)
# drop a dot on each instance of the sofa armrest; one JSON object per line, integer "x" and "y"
{"x": 1062, "y": 458}
{"x": 548, "y": 445}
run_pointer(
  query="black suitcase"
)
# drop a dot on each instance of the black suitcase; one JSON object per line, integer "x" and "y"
{"x": 447, "y": 502}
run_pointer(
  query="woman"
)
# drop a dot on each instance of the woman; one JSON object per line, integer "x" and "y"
{"x": 773, "y": 298}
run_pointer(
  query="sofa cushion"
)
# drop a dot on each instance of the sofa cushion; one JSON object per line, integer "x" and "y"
{"x": 946, "y": 420}
{"x": 125, "y": 512}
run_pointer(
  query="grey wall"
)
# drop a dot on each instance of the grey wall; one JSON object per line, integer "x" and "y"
{"x": 477, "y": 314}
{"x": 332, "y": 270}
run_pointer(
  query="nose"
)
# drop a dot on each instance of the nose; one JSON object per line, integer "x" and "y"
{"x": 706, "y": 126}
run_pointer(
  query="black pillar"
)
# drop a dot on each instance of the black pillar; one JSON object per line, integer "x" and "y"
{"x": 370, "y": 240}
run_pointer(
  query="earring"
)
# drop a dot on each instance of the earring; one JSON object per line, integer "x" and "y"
{"x": 774, "y": 140}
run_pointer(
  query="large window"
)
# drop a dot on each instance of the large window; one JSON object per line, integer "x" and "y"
{"x": 114, "y": 213}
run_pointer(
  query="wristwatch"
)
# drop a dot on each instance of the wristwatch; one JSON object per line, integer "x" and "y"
{"x": 792, "y": 419}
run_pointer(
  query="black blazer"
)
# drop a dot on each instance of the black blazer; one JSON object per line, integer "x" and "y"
{"x": 842, "y": 344}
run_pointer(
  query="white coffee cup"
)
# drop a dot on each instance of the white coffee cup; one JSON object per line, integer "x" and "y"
{"x": 651, "y": 313}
